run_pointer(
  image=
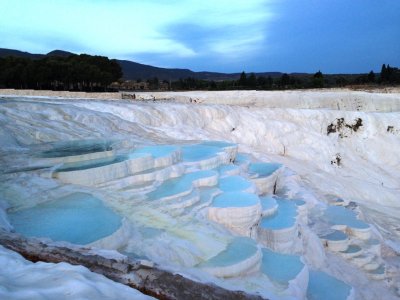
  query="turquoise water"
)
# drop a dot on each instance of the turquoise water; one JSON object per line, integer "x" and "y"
{"x": 280, "y": 267}
{"x": 238, "y": 250}
{"x": 339, "y": 215}
{"x": 78, "y": 218}
{"x": 324, "y": 286}
{"x": 198, "y": 152}
{"x": 268, "y": 202}
{"x": 171, "y": 187}
{"x": 200, "y": 174}
{"x": 263, "y": 169}
{"x": 285, "y": 216}
{"x": 226, "y": 168}
{"x": 380, "y": 270}
{"x": 157, "y": 151}
{"x": 234, "y": 183}
{"x": 352, "y": 249}
{"x": 207, "y": 194}
{"x": 220, "y": 144}
{"x": 178, "y": 185}
{"x": 299, "y": 202}
{"x": 235, "y": 199}
{"x": 335, "y": 236}
{"x": 72, "y": 148}
{"x": 242, "y": 158}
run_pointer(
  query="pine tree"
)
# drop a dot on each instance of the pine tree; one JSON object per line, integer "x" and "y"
{"x": 371, "y": 76}
{"x": 243, "y": 80}
{"x": 252, "y": 81}
{"x": 384, "y": 73}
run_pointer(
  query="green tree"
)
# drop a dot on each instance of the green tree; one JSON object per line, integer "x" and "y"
{"x": 242, "y": 80}
{"x": 384, "y": 73}
{"x": 318, "y": 80}
{"x": 371, "y": 77}
{"x": 285, "y": 80}
{"x": 341, "y": 81}
{"x": 252, "y": 81}
{"x": 76, "y": 72}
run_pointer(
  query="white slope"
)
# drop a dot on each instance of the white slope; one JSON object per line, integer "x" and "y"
{"x": 286, "y": 127}
{"x": 340, "y": 99}
{"x": 22, "y": 279}
{"x": 369, "y": 167}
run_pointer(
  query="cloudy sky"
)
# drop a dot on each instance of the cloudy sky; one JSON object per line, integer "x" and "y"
{"x": 334, "y": 36}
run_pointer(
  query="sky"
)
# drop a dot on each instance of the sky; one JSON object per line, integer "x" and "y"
{"x": 334, "y": 36}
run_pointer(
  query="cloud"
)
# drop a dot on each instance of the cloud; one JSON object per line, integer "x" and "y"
{"x": 184, "y": 28}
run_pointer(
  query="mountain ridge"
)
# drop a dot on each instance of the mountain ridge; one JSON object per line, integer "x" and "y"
{"x": 134, "y": 70}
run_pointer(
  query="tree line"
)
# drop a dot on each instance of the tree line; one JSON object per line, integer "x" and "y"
{"x": 388, "y": 76}
{"x": 75, "y": 72}
{"x": 96, "y": 73}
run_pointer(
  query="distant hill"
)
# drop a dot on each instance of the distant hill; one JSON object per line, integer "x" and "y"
{"x": 17, "y": 53}
{"x": 133, "y": 70}
{"x": 59, "y": 53}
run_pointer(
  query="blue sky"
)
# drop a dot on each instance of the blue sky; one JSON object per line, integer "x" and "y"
{"x": 334, "y": 36}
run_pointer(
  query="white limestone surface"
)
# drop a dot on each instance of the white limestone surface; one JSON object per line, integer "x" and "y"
{"x": 338, "y": 99}
{"x": 238, "y": 211}
{"x": 278, "y": 239}
{"x": 269, "y": 206}
{"x": 336, "y": 241}
{"x": 294, "y": 134}
{"x": 92, "y": 176}
{"x": 243, "y": 268}
{"x": 241, "y": 257}
{"x": 265, "y": 176}
{"x": 22, "y": 279}
{"x": 148, "y": 177}
{"x": 109, "y": 154}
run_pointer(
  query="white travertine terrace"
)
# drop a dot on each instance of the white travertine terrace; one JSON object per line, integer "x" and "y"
{"x": 336, "y": 241}
{"x": 108, "y": 172}
{"x": 241, "y": 257}
{"x": 147, "y": 178}
{"x": 279, "y": 228}
{"x": 238, "y": 211}
{"x": 361, "y": 233}
{"x": 278, "y": 239}
{"x": 242, "y": 268}
{"x": 312, "y": 99}
{"x": 264, "y": 176}
{"x": 208, "y": 163}
{"x": 285, "y": 127}
{"x": 228, "y": 170}
{"x": 269, "y": 206}
{"x": 95, "y": 156}
{"x": 287, "y": 271}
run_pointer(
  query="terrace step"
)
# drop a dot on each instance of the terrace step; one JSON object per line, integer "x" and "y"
{"x": 336, "y": 241}
{"x": 280, "y": 230}
{"x": 378, "y": 273}
{"x": 239, "y": 211}
{"x": 345, "y": 219}
{"x": 352, "y": 251}
{"x": 264, "y": 176}
{"x": 241, "y": 257}
{"x": 286, "y": 270}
